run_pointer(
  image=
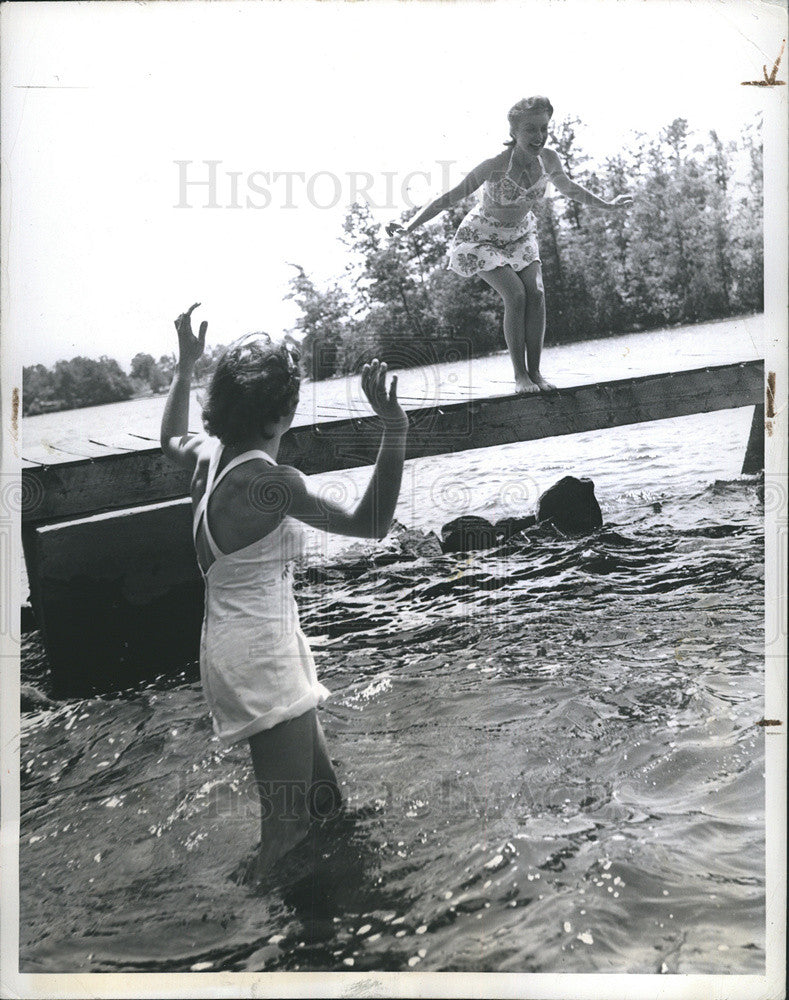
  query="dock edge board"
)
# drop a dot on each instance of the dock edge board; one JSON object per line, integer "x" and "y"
{"x": 118, "y": 481}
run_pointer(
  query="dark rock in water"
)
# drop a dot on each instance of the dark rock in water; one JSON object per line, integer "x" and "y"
{"x": 571, "y": 506}
{"x": 33, "y": 700}
{"x": 467, "y": 533}
{"x": 509, "y": 526}
{"x": 417, "y": 543}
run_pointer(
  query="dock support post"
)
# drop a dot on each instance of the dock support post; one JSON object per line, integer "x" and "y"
{"x": 30, "y": 553}
{"x": 118, "y": 597}
{"x": 754, "y": 452}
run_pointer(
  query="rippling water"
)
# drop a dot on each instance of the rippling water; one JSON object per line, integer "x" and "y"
{"x": 549, "y": 751}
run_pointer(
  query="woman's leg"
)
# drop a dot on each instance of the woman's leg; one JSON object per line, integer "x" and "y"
{"x": 283, "y": 759}
{"x": 326, "y": 798}
{"x": 531, "y": 277}
{"x": 512, "y": 290}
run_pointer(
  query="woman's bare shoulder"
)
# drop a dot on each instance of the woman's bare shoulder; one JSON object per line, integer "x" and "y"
{"x": 262, "y": 486}
{"x": 489, "y": 168}
{"x": 551, "y": 160}
{"x": 202, "y": 446}
{"x": 500, "y": 161}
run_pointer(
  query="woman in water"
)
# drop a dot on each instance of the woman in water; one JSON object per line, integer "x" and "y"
{"x": 257, "y": 672}
{"x": 498, "y": 238}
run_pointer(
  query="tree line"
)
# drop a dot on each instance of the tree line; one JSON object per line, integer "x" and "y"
{"x": 69, "y": 385}
{"x": 689, "y": 249}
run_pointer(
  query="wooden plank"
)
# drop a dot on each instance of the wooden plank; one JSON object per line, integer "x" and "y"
{"x": 118, "y": 596}
{"x": 114, "y": 482}
{"x": 754, "y": 452}
{"x": 111, "y": 482}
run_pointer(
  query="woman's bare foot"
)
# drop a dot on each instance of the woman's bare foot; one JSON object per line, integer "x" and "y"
{"x": 524, "y": 386}
{"x": 273, "y": 850}
{"x": 285, "y": 858}
{"x": 542, "y": 386}
{"x": 244, "y": 872}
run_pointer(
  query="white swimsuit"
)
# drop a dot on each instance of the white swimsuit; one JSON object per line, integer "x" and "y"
{"x": 255, "y": 662}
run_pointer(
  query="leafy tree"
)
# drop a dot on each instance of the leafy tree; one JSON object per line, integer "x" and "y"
{"x": 562, "y": 138}
{"x": 747, "y": 233}
{"x": 38, "y": 390}
{"x": 86, "y": 382}
{"x": 144, "y": 369}
{"x": 325, "y": 324}
{"x": 688, "y": 249}
{"x": 206, "y": 363}
{"x": 141, "y": 367}
{"x": 167, "y": 363}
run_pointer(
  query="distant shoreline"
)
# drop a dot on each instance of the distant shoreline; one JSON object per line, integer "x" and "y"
{"x": 52, "y": 406}
{"x": 150, "y": 394}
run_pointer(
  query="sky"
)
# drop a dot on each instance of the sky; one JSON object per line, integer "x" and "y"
{"x": 109, "y": 107}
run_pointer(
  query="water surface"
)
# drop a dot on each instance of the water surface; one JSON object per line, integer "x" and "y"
{"x": 550, "y": 751}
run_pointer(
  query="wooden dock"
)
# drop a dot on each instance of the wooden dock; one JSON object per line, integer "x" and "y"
{"x": 107, "y": 540}
{"x": 113, "y": 482}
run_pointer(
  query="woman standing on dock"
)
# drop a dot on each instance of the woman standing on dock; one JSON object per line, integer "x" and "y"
{"x": 497, "y": 239}
{"x": 256, "y": 667}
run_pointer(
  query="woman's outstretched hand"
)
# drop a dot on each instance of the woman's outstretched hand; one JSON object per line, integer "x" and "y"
{"x": 621, "y": 201}
{"x": 189, "y": 347}
{"x": 382, "y": 401}
{"x": 396, "y": 229}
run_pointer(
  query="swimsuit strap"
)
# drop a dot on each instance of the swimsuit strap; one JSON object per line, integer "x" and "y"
{"x": 495, "y": 189}
{"x": 247, "y": 456}
{"x": 543, "y": 174}
{"x": 201, "y": 506}
{"x": 213, "y": 481}
{"x": 494, "y": 184}
{"x": 506, "y": 175}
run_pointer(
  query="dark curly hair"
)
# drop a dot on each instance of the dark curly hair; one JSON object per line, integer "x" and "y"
{"x": 254, "y": 384}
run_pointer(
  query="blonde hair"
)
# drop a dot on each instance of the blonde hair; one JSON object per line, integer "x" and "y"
{"x": 525, "y": 107}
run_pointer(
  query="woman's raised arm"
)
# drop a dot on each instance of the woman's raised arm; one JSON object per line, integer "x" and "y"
{"x": 373, "y": 514}
{"x": 574, "y": 191}
{"x": 177, "y": 444}
{"x": 476, "y": 178}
